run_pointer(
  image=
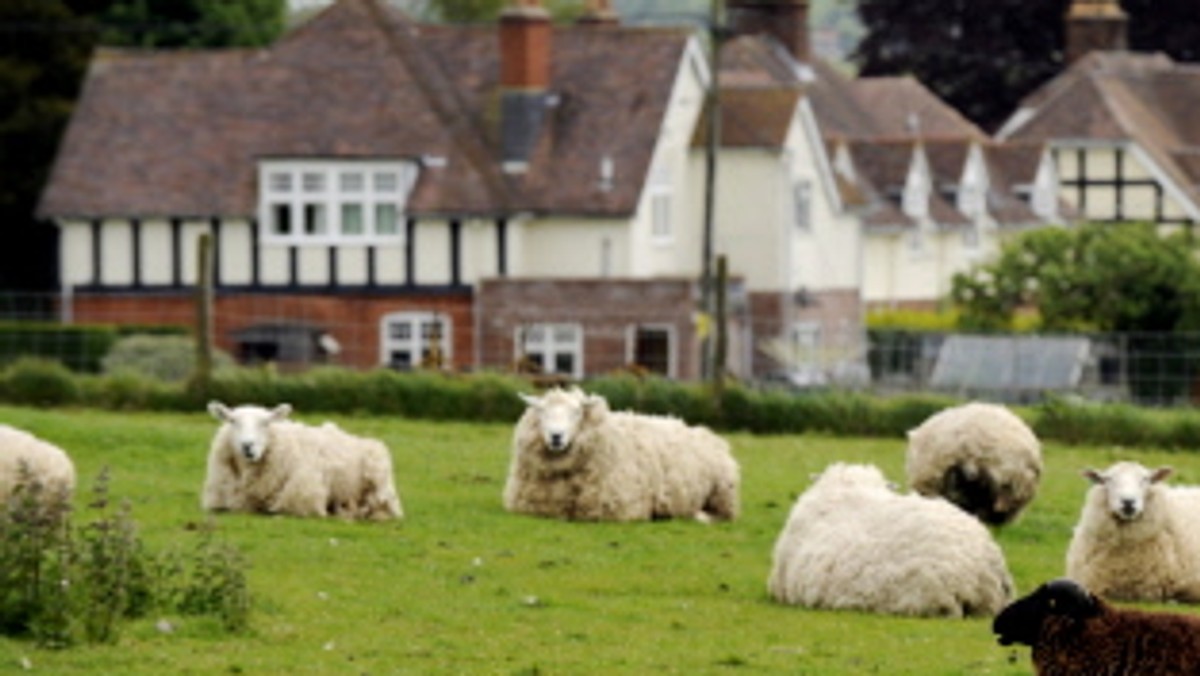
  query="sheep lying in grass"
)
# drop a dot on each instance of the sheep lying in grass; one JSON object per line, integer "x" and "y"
{"x": 573, "y": 458}
{"x": 979, "y": 456}
{"x": 852, "y": 543}
{"x": 1137, "y": 538}
{"x": 1074, "y": 633}
{"x": 26, "y": 460}
{"x": 262, "y": 462}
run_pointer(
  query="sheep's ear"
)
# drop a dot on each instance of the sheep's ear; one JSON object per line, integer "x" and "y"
{"x": 1092, "y": 476}
{"x": 281, "y": 411}
{"x": 1160, "y": 474}
{"x": 530, "y": 400}
{"x": 218, "y": 410}
{"x": 1067, "y": 597}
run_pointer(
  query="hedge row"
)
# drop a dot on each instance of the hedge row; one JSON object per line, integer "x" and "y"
{"x": 492, "y": 397}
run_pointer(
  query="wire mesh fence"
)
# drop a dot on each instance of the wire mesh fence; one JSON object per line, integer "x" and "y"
{"x": 1155, "y": 369}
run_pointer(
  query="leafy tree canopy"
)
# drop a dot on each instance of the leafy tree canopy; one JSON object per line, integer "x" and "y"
{"x": 1103, "y": 277}
{"x": 192, "y": 23}
{"x": 983, "y": 57}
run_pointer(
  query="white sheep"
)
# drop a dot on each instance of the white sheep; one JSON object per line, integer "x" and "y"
{"x": 1137, "y": 538}
{"x": 260, "y": 461}
{"x": 26, "y": 459}
{"x": 853, "y": 543}
{"x": 979, "y": 456}
{"x": 573, "y": 458}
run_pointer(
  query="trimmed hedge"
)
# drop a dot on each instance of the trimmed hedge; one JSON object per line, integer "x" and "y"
{"x": 492, "y": 397}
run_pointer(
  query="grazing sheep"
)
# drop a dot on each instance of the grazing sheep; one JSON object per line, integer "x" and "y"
{"x": 852, "y": 543}
{"x": 979, "y": 456}
{"x": 573, "y": 458}
{"x": 1074, "y": 633}
{"x": 1137, "y": 538}
{"x": 26, "y": 459}
{"x": 262, "y": 462}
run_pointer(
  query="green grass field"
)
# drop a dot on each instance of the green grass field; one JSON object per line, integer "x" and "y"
{"x": 462, "y": 587}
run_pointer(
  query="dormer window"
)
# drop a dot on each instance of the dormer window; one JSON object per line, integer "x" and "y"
{"x": 322, "y": 202}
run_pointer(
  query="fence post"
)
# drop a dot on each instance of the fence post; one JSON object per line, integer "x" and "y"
{"x": 202, "y": 375}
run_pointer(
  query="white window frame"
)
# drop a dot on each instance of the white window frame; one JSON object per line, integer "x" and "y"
{"x": 296, "y": 187}
{"x": 530, "y": 338}
{"x": 417, "y": 342}
{"x": 631, "y": 333}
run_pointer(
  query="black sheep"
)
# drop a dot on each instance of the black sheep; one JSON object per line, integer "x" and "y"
{"x": 1074, "y": 632}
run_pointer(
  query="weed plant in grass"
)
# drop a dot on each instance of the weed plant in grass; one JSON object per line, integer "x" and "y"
{"x": 462, "y": 587}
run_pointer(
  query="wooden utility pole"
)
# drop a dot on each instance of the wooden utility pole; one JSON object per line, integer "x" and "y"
{"x": 720, "y": 330}
{"x": 202, "y": 375}
{"x": 713, "y": 105}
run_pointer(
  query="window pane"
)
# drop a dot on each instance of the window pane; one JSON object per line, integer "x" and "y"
{"x": 400, "y": 330}
{"x": 537, "y": 360}
{"x": 661, "y": 215}
{"x": 314, "y": 219}
{"x": 652, "y": 350}
{"x": 281, "y": 219}
{"x": 386, "y": 219}
{"x": 564, "y": 335}
{"x": 352, "y": 181}
{"x": 802, "y": 202}
{"x": 280, "y": 182}
{"x": 535, "y": 334}
{"x": 313, "y": 181}
{"x": 400, "y": 359}
{"x": 564, "y": 362}
{"x": 352, "y": 219}
{"x": 386, "y": 181}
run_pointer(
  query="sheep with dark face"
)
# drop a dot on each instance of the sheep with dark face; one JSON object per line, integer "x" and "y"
{"x": 573, "y": 458}
{"x": 979, "y": 456}
{"x": 1074, "y": 633}
{"x": 1137, "y": 539}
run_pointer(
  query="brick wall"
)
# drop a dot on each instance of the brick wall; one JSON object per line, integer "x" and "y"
{"x": 354, "y": 320}
{"x": 605, "y": 309}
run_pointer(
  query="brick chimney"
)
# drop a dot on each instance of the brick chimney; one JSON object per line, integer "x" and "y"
{"x": 525, "y": 32}
{"x": 599, "y": 13}
{"x": 525, "y": 46}
{"x": 1094, "y": 26}
{"x": 785, "y": 20}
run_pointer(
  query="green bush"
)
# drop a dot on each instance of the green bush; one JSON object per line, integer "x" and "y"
{"x": 78, "y": 347}
{"x": 169, "y": 358}
{"x": 38, "y": 382}
{"x": 64, "y": 584}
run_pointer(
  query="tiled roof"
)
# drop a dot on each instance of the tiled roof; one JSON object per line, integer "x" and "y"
{"x": 752, "y": 117}
{"x": 1146, "y": 99}
{"x": 179, "y": 133}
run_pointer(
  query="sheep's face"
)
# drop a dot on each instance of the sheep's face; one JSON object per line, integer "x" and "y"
{"x": 249, "y": 427}
{"x": 1022, "y": 621}
{"x": 1126, "y": 486}
{"x": 559, "y": 415}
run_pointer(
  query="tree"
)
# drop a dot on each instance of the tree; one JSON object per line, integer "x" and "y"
{"x": 1123, "y": 278}
{"x": 45, "y": 47}
{"x": 192, "y": 23}
{"x": 480, "y": 11}
{"x": 44, "y": 50}
{"x": 982, "y": 58}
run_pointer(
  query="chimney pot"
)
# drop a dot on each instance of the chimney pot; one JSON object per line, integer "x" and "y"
{"x": 1094, "y": 25}
{"x": 784, "y": 20}
{"x": 525, "y": 46}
